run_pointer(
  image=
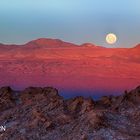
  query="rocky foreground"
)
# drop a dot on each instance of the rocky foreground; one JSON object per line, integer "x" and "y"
{"x": 42, "y": 114}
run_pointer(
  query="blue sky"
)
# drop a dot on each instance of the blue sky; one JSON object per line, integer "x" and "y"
{"x": 76, "y": 21}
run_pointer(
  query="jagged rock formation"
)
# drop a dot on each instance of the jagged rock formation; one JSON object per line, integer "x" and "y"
{"x": 42, "y": 114}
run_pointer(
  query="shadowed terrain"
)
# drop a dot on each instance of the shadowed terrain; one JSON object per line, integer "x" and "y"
{"x": 42, "y": 114}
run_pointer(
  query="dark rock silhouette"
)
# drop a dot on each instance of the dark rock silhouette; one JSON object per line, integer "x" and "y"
{"x": 42, "y": 114}
{"x": 6, "y": 98}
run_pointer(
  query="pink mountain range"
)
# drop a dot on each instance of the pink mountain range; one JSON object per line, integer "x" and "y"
{"x": 66, "y": 66}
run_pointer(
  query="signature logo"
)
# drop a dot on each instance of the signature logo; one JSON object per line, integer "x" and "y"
{"x": 2, "y": 128}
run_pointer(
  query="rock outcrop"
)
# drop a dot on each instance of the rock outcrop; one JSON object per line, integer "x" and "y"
{"x": 6, "y": 98}
{"x": 42, "y": 114}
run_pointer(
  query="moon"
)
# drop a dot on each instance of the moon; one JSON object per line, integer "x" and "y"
{"x": 111, "y": 38}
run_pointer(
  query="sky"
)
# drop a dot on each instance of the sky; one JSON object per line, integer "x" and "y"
{"x": 76, "y": 21}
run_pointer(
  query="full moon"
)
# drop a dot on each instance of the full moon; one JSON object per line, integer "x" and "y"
{"x": 111, "y": 38}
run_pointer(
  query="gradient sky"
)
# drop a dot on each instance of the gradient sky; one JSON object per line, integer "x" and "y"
{"x": 76, "y": 21}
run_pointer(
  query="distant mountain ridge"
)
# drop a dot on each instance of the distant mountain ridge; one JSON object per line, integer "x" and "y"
{"x": 52, "y": 43}
{"x": 69, "y": 66}
{"x": 42, "y": 42}
{"x": 49, "y": 43}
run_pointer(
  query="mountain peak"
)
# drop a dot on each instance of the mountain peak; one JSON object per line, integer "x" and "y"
{"x": 49, "y": 43}
{"x": 90, "y": 45}
{"x": 44, "y": 41}
{"x": 137, "y": 46}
